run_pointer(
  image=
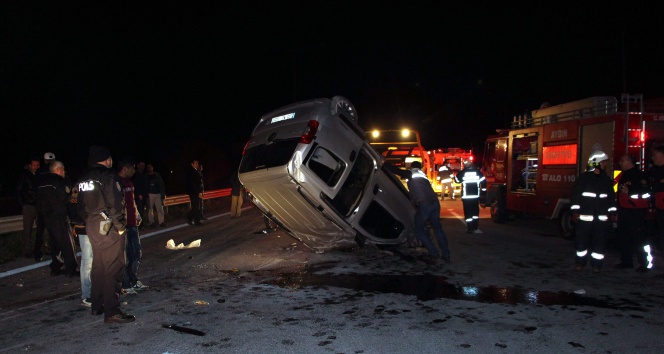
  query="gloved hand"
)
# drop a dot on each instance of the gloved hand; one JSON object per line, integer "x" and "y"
{"x": 575, "y": 217}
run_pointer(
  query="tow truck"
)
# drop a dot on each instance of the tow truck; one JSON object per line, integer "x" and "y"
{"x": 531, "y": 167}
{"x": 401, "y": 148}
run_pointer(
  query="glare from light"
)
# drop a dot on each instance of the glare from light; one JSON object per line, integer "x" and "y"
{"x": 405, "y": 133}
{"x": 375, "y": 133}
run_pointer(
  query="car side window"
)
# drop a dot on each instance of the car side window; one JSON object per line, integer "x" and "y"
{"x": 327, "y": 166}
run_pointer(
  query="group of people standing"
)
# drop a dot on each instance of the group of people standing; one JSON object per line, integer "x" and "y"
{"x": 101, "y": 209}
{"x": 596, "y": 206}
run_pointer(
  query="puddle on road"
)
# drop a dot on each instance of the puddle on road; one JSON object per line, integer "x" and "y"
{"x": 428, "y": 287}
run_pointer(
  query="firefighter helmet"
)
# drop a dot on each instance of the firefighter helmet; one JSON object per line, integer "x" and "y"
{"x": 49, "y": 156}
{"x": 596, "y": 157}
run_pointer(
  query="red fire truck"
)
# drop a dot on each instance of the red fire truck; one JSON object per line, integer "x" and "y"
{"x": 452, "y": 160}
{"x": 531, "y": 167}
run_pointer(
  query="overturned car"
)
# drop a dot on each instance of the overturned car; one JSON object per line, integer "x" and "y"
{"x": 309, "y": 168}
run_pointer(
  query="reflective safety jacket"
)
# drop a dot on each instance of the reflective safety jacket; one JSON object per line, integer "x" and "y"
{"x": 656, "y": 180}
{"x": 638, "y": 196}
{"x": 472, "y": 181}
{"x": 593, "y": 197}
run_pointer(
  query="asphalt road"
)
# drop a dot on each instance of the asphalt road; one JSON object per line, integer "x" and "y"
{"x": 510, "y": 289}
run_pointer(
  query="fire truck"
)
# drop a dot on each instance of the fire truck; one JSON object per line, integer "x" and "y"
{"x": 531, "y": 167}
{"x": 401, "y": 148}
{"x": 452, "y": 159}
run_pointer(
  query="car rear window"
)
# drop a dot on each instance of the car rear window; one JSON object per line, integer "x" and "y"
{"x": 259, "y": 157}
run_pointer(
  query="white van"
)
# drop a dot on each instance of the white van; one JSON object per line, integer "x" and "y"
{"x": 310, "y": 169}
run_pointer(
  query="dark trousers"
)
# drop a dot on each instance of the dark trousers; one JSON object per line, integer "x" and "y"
{"x": 430, "y": 212}
{"x": 39, "y": 236}
{"x": 632, "y": 236}
{"x": 471, "y": 212}
{"x": 108, "y": 268}
{"x": 590, "y": 241}
{"x": 29, "y": 217}
{"x": 134, "y": 255}
{"x": 62, "y": 243}
{"x": 195, "y": 212}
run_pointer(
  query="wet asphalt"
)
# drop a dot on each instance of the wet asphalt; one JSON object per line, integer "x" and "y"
{"x": 510, "y": 289}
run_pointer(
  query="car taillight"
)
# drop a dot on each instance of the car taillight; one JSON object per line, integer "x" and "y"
{"x": 310, "y": 132}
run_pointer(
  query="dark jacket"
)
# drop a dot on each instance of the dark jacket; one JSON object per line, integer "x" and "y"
{"x": 100, "y": 190}
{"x": 599, "y": 198}
{"x": 156, "y": 184}
{"x": 638, "y": 196}
{"x": 140, "y": 180}
{"x": 26, "y": 188}
{"x": 194, "y": 181}
{"x": 53, "y": 195}
{"x": 656, "y": 180}
{"x": 419, "y": 188}
{"x": 472, "y": 181}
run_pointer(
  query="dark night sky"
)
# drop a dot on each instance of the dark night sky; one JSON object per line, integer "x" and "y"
{"x": 165, "y": 81}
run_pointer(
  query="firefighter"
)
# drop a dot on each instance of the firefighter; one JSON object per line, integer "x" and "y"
{"x": 593, "y": 207}
{"x": 446, "y": 175}
{"x": 633, "y": 204}
{"x": 472, "y": 182}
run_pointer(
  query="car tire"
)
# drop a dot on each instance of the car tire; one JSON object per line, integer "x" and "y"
{"x": 341, "y": 105}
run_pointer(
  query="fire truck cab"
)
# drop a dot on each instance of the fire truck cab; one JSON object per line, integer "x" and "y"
{"x": 531, "y": 167}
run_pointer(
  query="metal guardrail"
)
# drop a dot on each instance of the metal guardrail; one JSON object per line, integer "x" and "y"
{"x": 15, "y": 223}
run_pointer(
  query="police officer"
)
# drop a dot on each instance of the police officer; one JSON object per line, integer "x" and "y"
{"x": 593, "y": 205}
{"x": 102, "y": 205}
{"x": 472, "y": 181}
{"x": 633, "y": 205}
{"x": 52, "y": 199}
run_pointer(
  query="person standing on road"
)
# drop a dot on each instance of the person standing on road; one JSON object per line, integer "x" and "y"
{"x": 78, "y": 228}
{"x": 52, "y": 197}
{"x": 427, "y": 209}
{"x": 472, "y": 182}
{"x": 593, "y": 205}
{"x": 140, "y": 181}
{"x": 102, "y": 205}
{"x": 130, "y": 282}
{"x": 26, "y": 193}
{"x": 236, "y": 194}
{"x": 42, "y": 239}
{"x": 195, "y": 191}
{"x": 656, "y": 180}
{"x": 633, "y": 204}
{"x": 157, "y": 194}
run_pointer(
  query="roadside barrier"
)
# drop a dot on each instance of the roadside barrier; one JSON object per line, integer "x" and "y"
{"x": 14, "y": 223}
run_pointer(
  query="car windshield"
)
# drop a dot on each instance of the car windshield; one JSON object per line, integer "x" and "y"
{"x": 264, "y": 156}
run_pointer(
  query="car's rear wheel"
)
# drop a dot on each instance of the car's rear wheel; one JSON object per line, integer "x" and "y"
{"x": 341, "y": 105}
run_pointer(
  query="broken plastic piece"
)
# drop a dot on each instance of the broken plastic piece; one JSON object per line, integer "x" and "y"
{"x": 171, "y": 245}
{"x": 201, "y": 302}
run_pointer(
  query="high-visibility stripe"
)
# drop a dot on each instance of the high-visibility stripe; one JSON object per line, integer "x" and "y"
{"x": 586, "y": 217}
{"x": 581, "y": 253}
{"x": 589, "y": 194}
{"x": 649, "y": 256}
{"x": 597, "y": 256}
